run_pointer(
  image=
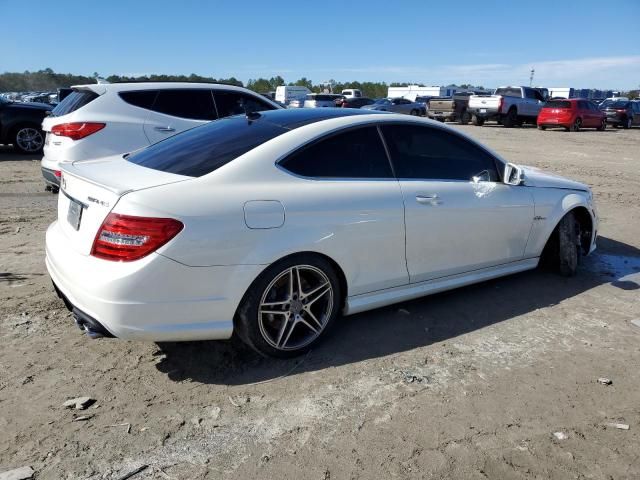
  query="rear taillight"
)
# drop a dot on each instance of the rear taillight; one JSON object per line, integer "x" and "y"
{"x": 77, "y": 130}
{"x": 621, "y": 110}
{"x": 57, "y": 173}
{"x": 124, "y": 238}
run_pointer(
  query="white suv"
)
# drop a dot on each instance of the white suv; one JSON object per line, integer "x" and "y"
{"x": 107, "y": 119}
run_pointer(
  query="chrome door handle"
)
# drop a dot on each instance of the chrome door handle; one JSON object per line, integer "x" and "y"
{"x": 165, "y": 129}
{"x": 431, "y": 199}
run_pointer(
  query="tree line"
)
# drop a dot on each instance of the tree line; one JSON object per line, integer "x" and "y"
{"x": 48, "y": 80}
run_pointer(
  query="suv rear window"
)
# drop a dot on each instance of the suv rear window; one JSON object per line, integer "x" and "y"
{"x": 141, "y": 98}
{"x": 557, "y": 104}
{"x": 74, "y": 101}
{"x": 203, "y": 149}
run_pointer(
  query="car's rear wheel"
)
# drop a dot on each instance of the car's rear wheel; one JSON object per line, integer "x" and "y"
{"x": 603, "y": 125}
{"x": 577, "y": 125}
{"x": 627, "y": 123}
{"x": 477, "y": 121}
{"x": 290, "y": 306}
{"x": 541, "y": 127}
{"x": 511, "y": 118}
{"x": 28, "y": 139}
{"x": 465, "y": 117}
{"x": 415, "y": 113}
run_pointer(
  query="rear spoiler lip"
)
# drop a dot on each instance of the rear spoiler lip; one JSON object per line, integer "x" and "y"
{"x": 74, "y": 171}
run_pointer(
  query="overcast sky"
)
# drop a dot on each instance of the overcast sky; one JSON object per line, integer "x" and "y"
{"x": 585, "y": 44}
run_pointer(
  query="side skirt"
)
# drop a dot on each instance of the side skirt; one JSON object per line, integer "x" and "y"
{"x": 381, "y": 298}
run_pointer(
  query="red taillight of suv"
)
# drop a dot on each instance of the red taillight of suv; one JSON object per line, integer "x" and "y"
{"x": 124, "y": 238}
{"x": 77, "y": 130}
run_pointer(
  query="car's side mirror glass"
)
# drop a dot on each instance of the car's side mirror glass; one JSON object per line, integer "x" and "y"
{"x": 513, "y": 175}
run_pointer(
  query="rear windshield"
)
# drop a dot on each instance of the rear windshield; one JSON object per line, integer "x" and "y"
{"x": 618, "y": 104}
{"x": 557, "y": 104}
{"x": 202, "y": 150}
{"x": 322, "y": 98}
{"x": 75, "y": 100}
{"x": 509, "y": 92}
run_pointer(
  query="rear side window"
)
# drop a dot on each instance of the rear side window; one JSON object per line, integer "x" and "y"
{"x": 357, "y": 153}
{"x": 429, "y": 153}
{"x": 142, "y": 98}
{"x": 74, "y": 101}
{"x": 203, "y": 149}
{"x": 188, "y": 103}
{"x": 233, "y": 103}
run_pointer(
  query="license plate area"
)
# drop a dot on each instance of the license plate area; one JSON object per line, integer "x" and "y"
{"x": 483, "y": 110}
{"x": 74, "y": 214}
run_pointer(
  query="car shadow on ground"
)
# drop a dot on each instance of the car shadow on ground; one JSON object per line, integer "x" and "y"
{"x": 9, "y": 154}
{"x": 408, "y": 325}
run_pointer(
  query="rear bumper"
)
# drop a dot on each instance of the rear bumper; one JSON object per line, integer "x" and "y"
{"x": 442, "y": 115}
{"x": 152, "y": 299}
{"x": 50, "y": 177}
{"x": 486, "y": 113}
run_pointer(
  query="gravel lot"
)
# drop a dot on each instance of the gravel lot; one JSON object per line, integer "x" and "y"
{"x": 471, "y": 383}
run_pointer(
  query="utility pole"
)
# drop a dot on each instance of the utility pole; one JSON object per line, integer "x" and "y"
{"x": 533, "y": 71}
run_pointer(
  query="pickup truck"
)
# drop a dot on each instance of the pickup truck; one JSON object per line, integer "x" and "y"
{"x": 509, "y": 106}
{"x": 450, "y": 108}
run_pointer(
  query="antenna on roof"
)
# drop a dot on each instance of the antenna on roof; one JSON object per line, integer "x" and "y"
{"x": 533, "y": 71}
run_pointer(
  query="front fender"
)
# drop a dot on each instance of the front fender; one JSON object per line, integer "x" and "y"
{"x": 551, "y": 204}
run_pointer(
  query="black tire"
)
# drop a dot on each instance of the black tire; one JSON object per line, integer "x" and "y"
{"x": 569, "y": 250}
{"x": 511, "y": 119}
{"x": 541, "y": 127}
{"x": 415, "y": 113}
{"x": 27, "y": 139}
{"x": 477, "y": 121}
{"x": 247, "y": 322}
{"x": 603, "y": 126}
{"x": 465, "y": 117}
{"x": 577, "y": 125}
{"x": 627, "y": 123}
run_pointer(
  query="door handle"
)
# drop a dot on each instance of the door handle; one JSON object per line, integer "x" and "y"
{"x": 165, "y": 129}
{"x": 431, "y": 199}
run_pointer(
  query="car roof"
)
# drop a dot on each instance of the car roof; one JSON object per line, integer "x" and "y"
{"x": 297, "y": 117}
{"x": 125, "y": 86}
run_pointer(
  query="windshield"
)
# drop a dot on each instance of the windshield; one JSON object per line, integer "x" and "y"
{"x": 74, "y": 101}
{"x": 382, "y": 101}
{"x": 614, "y": 104}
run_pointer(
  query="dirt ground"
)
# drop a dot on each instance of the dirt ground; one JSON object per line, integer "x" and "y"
{"x": 468, "y": 384}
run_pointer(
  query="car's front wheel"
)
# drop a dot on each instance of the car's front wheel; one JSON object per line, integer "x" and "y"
{"x": 603, "y": 126}
{"x": 28, "y": 139}
{"x": 290, "y": 306}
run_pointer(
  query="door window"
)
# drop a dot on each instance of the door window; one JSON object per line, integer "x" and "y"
{"x": 186, "y": 103}
{"x": 357, "y": 153}
{"x": 431, "y": 153}
{"x": 141, "y": 98}
{"x": 235, "y": 103}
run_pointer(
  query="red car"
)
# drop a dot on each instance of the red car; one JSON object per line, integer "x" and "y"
{"x": 572, "y": 114}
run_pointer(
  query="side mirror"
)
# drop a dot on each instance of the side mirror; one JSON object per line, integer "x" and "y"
{"x": 513, "y": 175}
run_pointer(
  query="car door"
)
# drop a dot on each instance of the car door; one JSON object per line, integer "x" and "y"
{"x": 347, "y": 204}
{"x": 177, "y": 110}
{"x": 459, "y": 216}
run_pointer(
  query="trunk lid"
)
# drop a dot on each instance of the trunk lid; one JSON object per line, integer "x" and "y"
{"x": 90, "y": 190}
{"x": 441, "y": 105}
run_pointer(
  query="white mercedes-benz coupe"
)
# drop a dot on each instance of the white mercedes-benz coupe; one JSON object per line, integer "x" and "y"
{"x": 270, "y": 225}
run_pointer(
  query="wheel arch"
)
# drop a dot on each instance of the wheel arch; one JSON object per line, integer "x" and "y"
{"x": 344, "y": 287}
{"x": 584, "y": 219}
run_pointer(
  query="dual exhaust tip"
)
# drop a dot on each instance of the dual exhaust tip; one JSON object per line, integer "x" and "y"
{"x": 90, "y": 326}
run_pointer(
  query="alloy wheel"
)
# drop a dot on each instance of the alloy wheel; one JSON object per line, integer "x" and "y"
{"x": 29, "y": 139}
{"x": 295, "y": 307}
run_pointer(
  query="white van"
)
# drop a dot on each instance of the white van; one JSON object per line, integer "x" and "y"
{"x": 351, "y": 93}
{"x": 286, "y": 93}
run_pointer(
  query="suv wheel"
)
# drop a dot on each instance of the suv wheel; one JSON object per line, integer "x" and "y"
{"x": 576, "y": 125}
{"x": 603, "y": 125}
{"x": 28, "y": 139}
{"x": 628, "y": 122}
{"x": 464, "y": 118}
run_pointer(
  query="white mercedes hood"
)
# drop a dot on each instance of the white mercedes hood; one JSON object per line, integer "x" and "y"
{"x": 534, "y": 177}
